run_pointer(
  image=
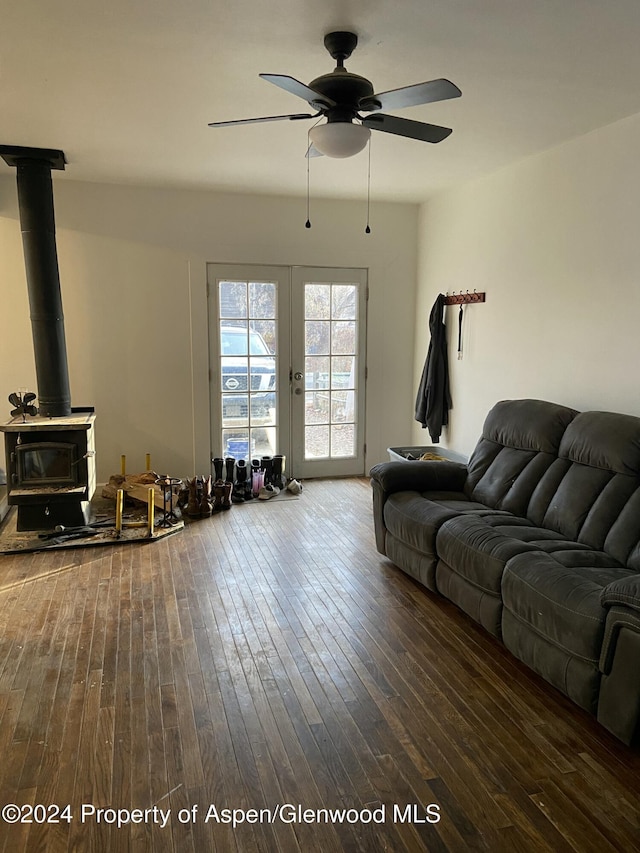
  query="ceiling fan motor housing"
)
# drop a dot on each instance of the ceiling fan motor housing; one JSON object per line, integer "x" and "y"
{"x": 345, "y": 89}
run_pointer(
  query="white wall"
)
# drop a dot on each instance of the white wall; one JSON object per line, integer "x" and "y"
{"x": 133, "y": 273}
{"x": 554, "y": 241}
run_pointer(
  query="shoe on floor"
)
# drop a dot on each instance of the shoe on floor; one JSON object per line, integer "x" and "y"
{"x": 295, "y": 487}
{"x": 267, "y": 492}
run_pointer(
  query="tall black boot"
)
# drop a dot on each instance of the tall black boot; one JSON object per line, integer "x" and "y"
{"x": 218, "y": 465}
{"x": 229, "y": 463}
{"x": 266, "y": 463}
{"x": 239, "y": 492}
{"x": 278, "y": 478}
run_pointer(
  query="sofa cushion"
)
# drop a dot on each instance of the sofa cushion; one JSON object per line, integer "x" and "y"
{"x": 623, "y": 538}
{"x": 475, "y": 549}
{"x": 587, "y": 492}
{"x": 415, "y": 518}
{"x": 520, "y": 440}
{"x": 420, "y": 566}
{"x": 479, "y": 548}
{"x": 605, "y": 440}
{"x": 553, "y": 620}
{"x": 483, "y": 606}
{"x": 561, "y": 602}
{"x": 576, "y": 678}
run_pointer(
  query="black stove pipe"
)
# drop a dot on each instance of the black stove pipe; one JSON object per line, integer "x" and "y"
{"x": 37, "y": 223}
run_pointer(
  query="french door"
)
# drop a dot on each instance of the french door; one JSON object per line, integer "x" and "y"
{"x": 287, "y": 366}
{"x": 328, "y": 346}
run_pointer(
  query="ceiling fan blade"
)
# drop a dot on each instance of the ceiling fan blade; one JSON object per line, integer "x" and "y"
{"x": 406, "y": 127}
{"x": 291, "y": 117}
{"x": 295, "y": 87}
{"x": 411, "y": 96}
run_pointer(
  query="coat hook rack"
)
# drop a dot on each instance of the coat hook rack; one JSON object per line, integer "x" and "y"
{"x": 464, "y": 298}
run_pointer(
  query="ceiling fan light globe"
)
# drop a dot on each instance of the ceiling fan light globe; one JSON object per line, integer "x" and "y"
{"x": 339, "y": 138}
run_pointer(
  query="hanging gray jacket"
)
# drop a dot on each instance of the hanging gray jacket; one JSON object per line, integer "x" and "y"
{"x": 434, "y": 398}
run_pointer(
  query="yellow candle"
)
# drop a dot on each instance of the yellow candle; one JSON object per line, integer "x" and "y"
{"x": 148, "y": 461}
{"x": 150, "y": 509}
{"x": 119, "y": 504}
{"x": 123, "y": 465}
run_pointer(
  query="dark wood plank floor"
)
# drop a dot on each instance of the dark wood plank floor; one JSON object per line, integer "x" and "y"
{"x": 269, "y": 656}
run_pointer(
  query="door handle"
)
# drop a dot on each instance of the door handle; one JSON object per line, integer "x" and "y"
{"x": 298, "y": 376}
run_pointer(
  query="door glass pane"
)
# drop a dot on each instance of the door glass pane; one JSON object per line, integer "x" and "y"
{"x": 343, "y": 337}
{"x": 343, "y": 440}
{"x": 262, "y": 299}
{"x": 316, "y": 442}
{"x": 331, "y": 338}
{"x": 266, "y": 330}
{"x": 317, "y": 302}
{"x": 233, "y": 299}
{"x": 317, "y": 372}
{"x": 343, "y": 371}
{"x": 317, "y": 407}
{"x": 344, "y": 302}
{"x": 235, "y": 442}
{"x": 339, "y": 411}
{"x": 263, "y": 441}
{"x": 317, "y": 337}
{"x": 248, "y": 367}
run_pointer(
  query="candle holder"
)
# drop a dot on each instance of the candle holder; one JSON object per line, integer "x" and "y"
{"x": 169, "y": 517}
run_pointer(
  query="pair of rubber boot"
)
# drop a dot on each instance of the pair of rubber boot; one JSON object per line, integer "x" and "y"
{"x": 273, "y": 469}
{"x": 223, "y": 469}
{"x": 242, "y": 490}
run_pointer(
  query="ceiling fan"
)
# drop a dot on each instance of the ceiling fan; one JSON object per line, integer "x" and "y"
{"x": 341, "y": 97}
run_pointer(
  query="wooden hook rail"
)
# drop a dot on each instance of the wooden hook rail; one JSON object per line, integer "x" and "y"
{"x": 464, "y": 298}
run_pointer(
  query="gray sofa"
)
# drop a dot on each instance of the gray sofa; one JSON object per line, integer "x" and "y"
{"x": 537, "y": 538}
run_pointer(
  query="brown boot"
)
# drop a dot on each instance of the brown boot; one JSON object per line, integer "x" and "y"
{"x": 218, "y": 495}
{"x": 193, "y": 501}
{"x": 206, "y": 506}
{"x": 226, "y": 495}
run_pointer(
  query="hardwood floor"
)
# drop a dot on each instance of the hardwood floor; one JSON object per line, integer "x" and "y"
{"x": 267, "y": 657}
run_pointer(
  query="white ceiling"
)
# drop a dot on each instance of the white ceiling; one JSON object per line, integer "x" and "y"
{"x": 126, "y": 87}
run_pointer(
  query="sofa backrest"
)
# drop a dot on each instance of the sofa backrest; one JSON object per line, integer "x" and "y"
{"x": 519, "y": 443}
{"x": 591, "y": 493}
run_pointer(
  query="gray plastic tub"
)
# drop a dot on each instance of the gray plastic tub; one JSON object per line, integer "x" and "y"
{"x": 408, "y": 454}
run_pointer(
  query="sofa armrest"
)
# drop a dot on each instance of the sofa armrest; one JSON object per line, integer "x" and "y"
{"x": 624, "y": 592}
{"x": 621, "y": 598}
{"x": 617, "y": 619}
{"x": 619, "y": 698}
{"x": 419, "y": 476}
{"x": 415, "y": 476}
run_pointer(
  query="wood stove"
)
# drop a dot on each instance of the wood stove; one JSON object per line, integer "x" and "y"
{"x": 51, "y": 475}
{"x": 50, "y": 464}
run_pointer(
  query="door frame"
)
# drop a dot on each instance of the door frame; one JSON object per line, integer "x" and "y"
{"x": 287, "y": 333}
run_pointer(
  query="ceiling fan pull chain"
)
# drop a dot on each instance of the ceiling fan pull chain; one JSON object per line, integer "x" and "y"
{"x": 307, "y": 224}
{"x": 367, "y": 230}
